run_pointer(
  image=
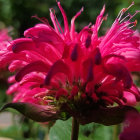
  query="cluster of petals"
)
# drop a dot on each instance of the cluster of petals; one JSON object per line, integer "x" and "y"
{"x": 80, "y": 67}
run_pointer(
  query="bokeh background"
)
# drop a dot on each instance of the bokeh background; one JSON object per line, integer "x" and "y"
{"x": 16, "y": 16}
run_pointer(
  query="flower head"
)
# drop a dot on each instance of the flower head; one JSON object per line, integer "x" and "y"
{"x": 75, "y": 71}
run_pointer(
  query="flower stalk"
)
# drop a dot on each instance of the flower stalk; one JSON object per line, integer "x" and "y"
{"x": 116, "y": 131}
{"x": 75, "y": 129}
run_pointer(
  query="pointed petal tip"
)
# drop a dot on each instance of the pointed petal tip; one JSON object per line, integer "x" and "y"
{"x": 51, "y": 10}
{"x": 104, "y": 6}
{"x": 58, "y": 2}
{"x": 82, "y": 9}
{"x": 103, "y": 10}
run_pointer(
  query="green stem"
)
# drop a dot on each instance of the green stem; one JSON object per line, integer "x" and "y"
{"x": 75, "y": 129}
{"x": 116, "y": 131}
{"x": 47, "y": 134}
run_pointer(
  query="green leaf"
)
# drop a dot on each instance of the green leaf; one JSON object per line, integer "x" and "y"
{"x": 11, "y": 132}
{"x": 33, "y": 111}
{"x": 102, "y": 132}
{"x": 61, "y": 130}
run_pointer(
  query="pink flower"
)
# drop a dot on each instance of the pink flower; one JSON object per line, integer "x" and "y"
{"x": 4, "y": 41}
{"x": 131, "y": 127}
{"x": 80, "y": 71}
{"x": 4, "y": 35}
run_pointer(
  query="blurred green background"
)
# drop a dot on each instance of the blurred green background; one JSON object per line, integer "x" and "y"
{"x": 16, "y": 15}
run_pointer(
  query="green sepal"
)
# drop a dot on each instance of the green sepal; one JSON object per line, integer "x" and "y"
{"x": 35, "y": 112}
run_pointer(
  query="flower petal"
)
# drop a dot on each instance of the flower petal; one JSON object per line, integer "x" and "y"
{"x": 66, "y": 25}
{"x": 34, "y": 66}
{"x": 120, "y": 72}
{"x": 72, "y": 29}
{"x": 22, "y": 44}
{"x": 58, "y": 67}
{"x": 46, "y": 34}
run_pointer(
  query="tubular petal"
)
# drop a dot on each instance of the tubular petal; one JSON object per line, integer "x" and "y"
{"x": 45, "y": 34}
{"x": 9, "y": 57}
{"x": 58, "y": 67}
{"x": 99, "y": 18}
{"x": 52, "y": 15}
{"x": 72, "y": 29}
{"x": 66, "y": 25}
{"x": 34, "y": 77}
{"x": 34, "y": 66}
{"x": 22, "y": 44}
{"x": 16, "y": 65}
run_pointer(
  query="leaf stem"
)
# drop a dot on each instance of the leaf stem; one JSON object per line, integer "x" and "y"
{"x": 75, "y": 129}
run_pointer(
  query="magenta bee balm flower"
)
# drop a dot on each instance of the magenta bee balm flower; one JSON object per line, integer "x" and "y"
{"x": 79, "y": 74}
